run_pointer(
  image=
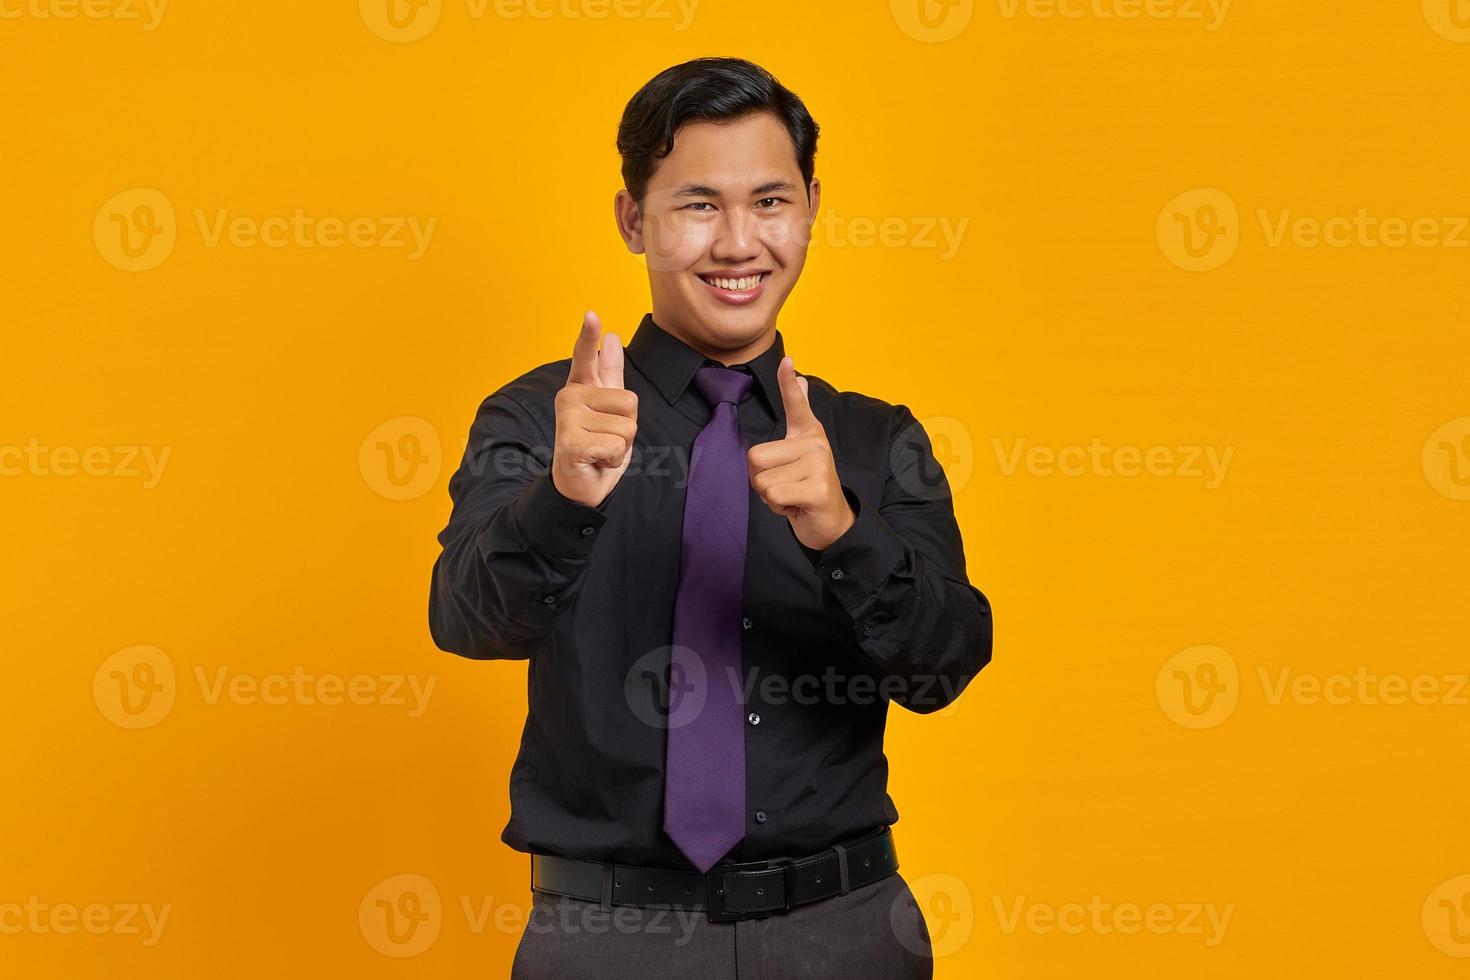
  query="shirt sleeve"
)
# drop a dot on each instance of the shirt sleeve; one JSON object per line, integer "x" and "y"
{"x": 894, "y": 584}
{"x": 514, "y": 551}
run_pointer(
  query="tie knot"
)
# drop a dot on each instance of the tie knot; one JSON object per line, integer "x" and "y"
{"x": 722, "y": 384}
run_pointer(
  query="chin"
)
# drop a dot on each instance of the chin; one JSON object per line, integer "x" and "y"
{"x": 731, "y": 328}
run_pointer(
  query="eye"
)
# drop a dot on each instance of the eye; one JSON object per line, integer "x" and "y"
{"x": 697, "y": 205}
{"x": 767, "y": 203}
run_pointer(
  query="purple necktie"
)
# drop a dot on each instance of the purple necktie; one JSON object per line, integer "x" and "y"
{"x": 704, "y": 779}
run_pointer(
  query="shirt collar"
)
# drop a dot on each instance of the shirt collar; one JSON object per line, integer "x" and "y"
{"x": 670, "y": 363}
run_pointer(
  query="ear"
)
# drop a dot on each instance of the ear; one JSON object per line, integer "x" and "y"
{"x": 630, "y": 221}
{"x": 814, "y": 194}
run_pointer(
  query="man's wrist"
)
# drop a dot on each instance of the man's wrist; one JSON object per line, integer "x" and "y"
{"x": 555, "y": 524}
{"x": 859, "y": 560}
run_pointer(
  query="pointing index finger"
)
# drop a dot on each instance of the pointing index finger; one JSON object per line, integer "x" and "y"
{"x": 584, "y": 353}
{"x": 799, "y": 415}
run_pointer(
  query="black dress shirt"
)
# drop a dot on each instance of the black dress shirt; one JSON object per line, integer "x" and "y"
{"x": 586, "y": 594}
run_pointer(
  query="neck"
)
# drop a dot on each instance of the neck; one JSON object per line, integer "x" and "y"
{"x": 725, "y": 355}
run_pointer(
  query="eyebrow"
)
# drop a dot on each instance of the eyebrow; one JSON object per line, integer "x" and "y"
{"x": 701, "y": 190}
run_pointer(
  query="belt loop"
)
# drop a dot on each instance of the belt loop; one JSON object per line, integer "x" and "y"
{"x": 841, "y": 867}
{"x": 607, "y": 886}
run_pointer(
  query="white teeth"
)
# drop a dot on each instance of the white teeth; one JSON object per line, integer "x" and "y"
{"x": 737, "y": 285}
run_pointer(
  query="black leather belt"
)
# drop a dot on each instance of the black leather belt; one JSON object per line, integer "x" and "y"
{"x": 727, "y": 892}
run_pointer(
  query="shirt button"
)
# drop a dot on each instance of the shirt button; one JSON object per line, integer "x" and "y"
{"x": 588, "y": 529}
{"x": 867, "y": 631}
{"x": 836, "y": 573}
{"x": 760, "y": 816}
{"x": 753, "y": 718}
{"x": 747, "y": 623}
{"x": 548, "y": 599}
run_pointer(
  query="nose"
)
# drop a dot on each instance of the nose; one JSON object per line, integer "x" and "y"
{"x": 737, "y": 239}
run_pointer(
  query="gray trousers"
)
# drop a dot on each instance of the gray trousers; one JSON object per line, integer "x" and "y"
{"x": 876, "y": 932}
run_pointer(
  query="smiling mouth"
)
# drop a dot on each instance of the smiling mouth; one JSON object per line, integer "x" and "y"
{"x": 744, "y": 284}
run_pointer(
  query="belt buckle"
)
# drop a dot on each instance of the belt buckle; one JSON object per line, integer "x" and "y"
{"x": 715, "y": 898}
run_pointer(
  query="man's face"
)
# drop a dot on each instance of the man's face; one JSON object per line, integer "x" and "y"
{"x": 725, "y": 225}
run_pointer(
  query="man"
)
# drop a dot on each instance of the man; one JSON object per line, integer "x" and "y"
{"x": 720, "y": 573}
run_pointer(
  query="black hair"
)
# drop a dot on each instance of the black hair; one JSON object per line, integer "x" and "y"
{"x": 706, "y": 90}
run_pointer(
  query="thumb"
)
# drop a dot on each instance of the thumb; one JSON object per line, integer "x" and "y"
{"x": 799, "y": 416}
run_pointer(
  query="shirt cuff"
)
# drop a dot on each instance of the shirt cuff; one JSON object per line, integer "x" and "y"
{"x": 860, "y": 561}
{"x": 557, "y": 526}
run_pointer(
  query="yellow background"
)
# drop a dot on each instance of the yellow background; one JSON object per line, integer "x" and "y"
{"x": 1334, "y": 543}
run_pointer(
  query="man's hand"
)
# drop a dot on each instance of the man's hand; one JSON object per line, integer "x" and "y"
{"x": 596, "y": 419}
{"x": 797, "y": 476}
